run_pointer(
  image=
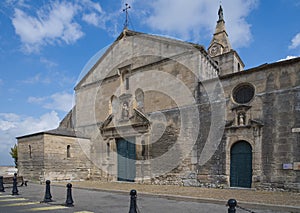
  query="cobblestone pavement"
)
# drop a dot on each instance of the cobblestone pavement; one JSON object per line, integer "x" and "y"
{"x": 276, "y": 200}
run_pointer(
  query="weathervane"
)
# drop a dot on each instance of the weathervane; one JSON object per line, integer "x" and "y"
{"x": 127, "y": 7}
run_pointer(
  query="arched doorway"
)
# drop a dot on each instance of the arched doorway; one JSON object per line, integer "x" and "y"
{"x": 241, "y": 165}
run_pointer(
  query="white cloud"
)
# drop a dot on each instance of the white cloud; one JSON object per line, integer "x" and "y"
{"x": 5, "y": 125}
{"x": 20, "y": 125}
{"x": 192, "y": 20}
{"x": 95, "y": 15}
{"x": 47, "y": 62}
{"x": 36, "y": 100}
{"x": 91, "y": 18}
{"x": 11, "y": 117}
{"x": 57, "y": 22}
{"x": 295, "y": 42}
{"x": 53, "y": 24}
{"x": 37, "y": 79}
{"x": 179, "y": 17}
{"x": 33, "y": 79}
{"x": 59, "y": 101}
{"x": 45, "y": 122}
{"x": 92, "y": 5}
{"x": 13, "y": 125}
{"x": 51, "y": 77}
{"x": 19, "y": 3}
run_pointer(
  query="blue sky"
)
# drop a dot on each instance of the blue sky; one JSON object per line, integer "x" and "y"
{"x": 44, "y": 45}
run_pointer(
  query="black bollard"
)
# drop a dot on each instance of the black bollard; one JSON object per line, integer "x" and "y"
{"x": 69, "y": 201}
{"x": 48, "y": 195}
{"x": 132, "y": 208}
{"x": 1, "y": 184}
{"x": 15, "y": 185}
{"x": 232, "y": 204}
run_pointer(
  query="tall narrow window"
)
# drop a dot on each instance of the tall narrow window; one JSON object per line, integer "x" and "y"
{"x": 127, "y": 83}
{"x": 68, "y": 151}
{"x": 143, "y": 150}
{"x": 108, "y": 149}
{"x": 29, "y": 149}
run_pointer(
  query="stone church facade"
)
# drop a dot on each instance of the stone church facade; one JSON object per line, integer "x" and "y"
{"x": 162, "y": 111}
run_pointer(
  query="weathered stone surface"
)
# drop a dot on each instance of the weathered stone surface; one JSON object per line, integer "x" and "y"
{"x": 155, "y": 118}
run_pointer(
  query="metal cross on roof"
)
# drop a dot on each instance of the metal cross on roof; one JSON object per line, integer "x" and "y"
{"x": 127, "y": 7}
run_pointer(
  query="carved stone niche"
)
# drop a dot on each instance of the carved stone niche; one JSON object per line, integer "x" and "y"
{"x": 125, "y": 108}
{"x": 241, "y": 115}
{"x": 243, "y": 120}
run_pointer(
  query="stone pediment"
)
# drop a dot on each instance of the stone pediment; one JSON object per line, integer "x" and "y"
{"x": 251, "y": 123}
{"x": 119, "y": 54}
{"x": 112, "y": 126}
{"x": 256, "y": 122}
{"x": 107, "y": 121}
{"x": 125, "y": 96}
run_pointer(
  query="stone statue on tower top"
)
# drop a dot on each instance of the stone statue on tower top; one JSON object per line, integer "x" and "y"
{"x": 220, "y": 13}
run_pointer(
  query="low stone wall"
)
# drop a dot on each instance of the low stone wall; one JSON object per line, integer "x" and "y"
{"x": 7, "y": 170}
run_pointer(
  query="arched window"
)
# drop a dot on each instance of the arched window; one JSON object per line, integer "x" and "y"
{"x": 68, "y": 151}
{"x": 139, "y": 98}
{"x": 113, "y": 108}
{"x": 30, "y": 151}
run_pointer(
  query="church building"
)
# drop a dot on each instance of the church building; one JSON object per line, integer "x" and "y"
{"x": 157, "y": 110}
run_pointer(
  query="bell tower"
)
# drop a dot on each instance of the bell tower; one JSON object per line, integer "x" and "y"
{"x": 220, "y": 49}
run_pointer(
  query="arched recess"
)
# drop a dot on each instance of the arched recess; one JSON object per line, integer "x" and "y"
{"x": 241, "y": 164}
{"x": 113, "y": 105}
{"x": 139, "y": 98}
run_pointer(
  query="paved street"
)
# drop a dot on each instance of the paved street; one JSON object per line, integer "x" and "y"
{"x": 88, "y": 201}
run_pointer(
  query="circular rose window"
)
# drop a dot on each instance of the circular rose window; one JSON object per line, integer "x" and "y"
{"x": 243, "y": 93}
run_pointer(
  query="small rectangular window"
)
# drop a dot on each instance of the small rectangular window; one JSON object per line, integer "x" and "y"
{"x": 30, "y": 151}
{"x": 127, "y": 83}
{"x": 68, "y": 151}
{"x": 107, "y": 149}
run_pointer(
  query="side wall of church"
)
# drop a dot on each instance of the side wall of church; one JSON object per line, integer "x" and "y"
{"x": 31, "y": 156}
{"x": 281, "y": 113}
{"x": 210, "y": 171}
{"x": 66, "y": 158}
{"x": 276, "y": 106}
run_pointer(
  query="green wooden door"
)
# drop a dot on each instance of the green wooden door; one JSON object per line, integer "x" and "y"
{"x": 241, "y": 165}
{"x": 126, "y": 159}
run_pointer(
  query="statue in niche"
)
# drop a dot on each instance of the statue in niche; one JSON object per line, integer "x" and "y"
{"x": 125, "y": 111}
{"x": 241, "y": 119}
